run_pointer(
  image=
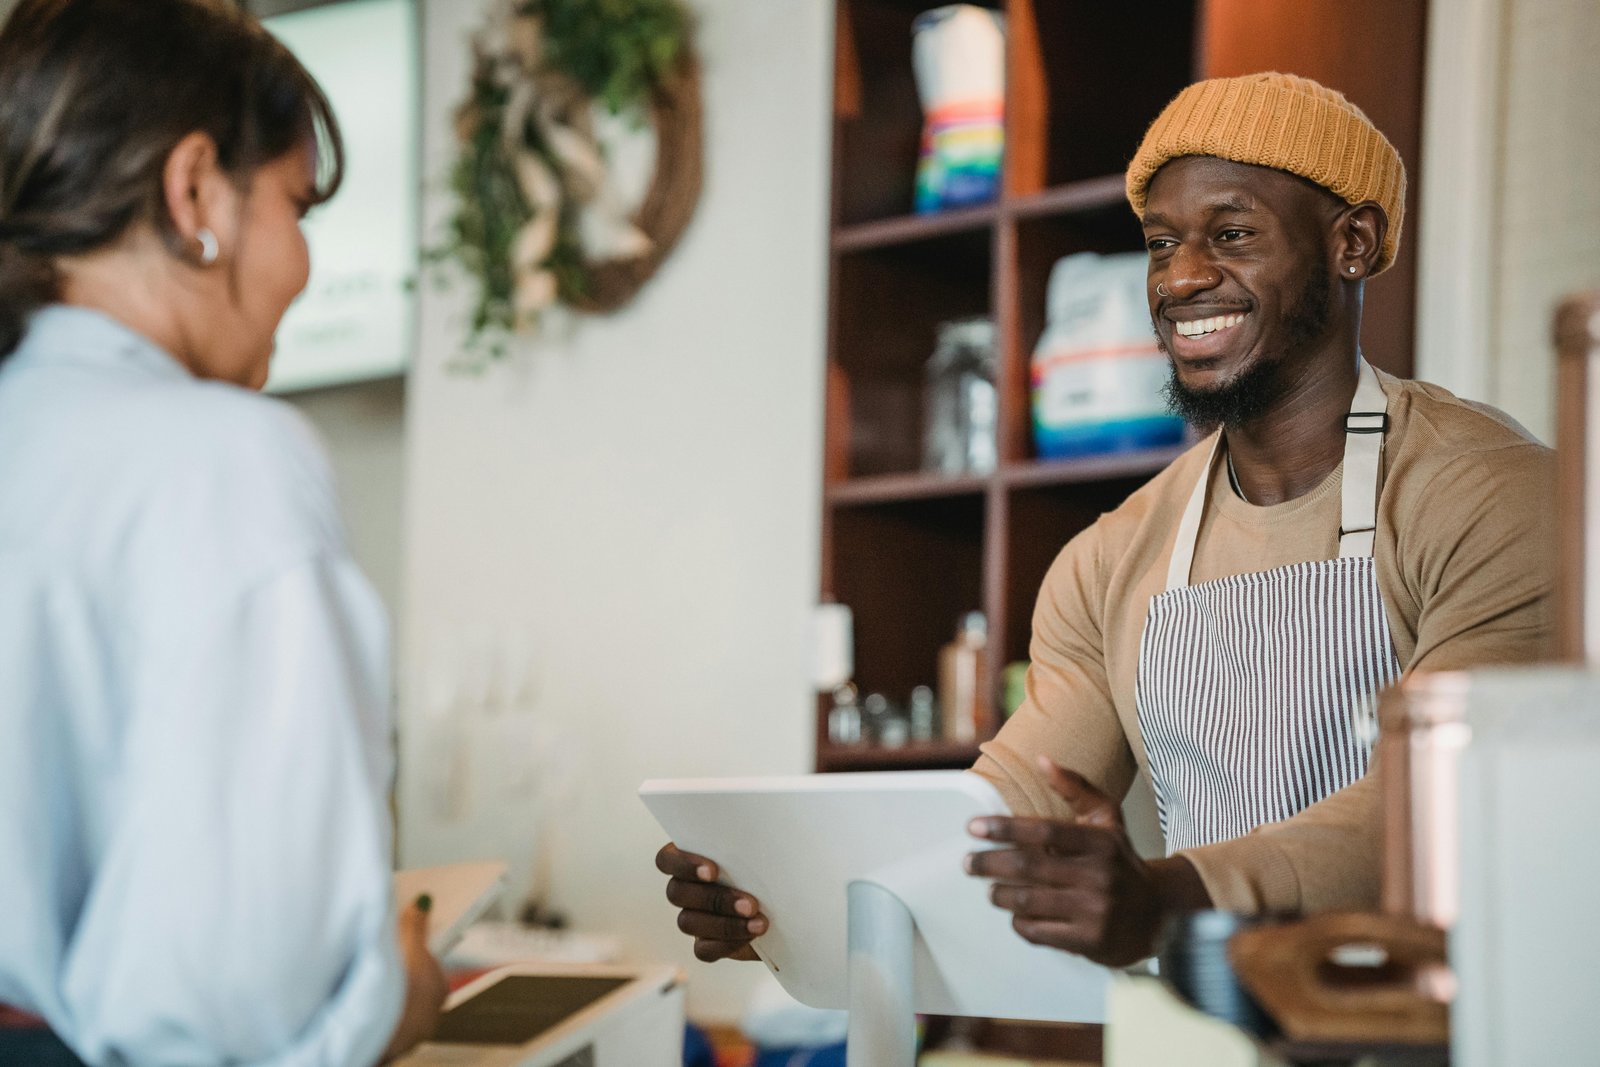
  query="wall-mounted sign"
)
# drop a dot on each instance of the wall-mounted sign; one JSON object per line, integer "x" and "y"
{"x": 356, "y": 319}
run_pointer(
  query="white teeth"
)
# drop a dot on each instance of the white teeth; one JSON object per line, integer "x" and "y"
{"x": 1204, "y": 326}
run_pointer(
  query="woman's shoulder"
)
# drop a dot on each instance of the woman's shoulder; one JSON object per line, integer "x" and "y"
{"x": 249, "y": 460}
{"x": 88, "y": 403}
{"x": 216, "y": 428}
{"x": 169, "y": 482}
{"x": 224, "y": 483}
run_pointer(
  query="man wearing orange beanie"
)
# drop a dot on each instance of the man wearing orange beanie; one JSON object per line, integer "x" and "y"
{"x": 1226, "y": 630}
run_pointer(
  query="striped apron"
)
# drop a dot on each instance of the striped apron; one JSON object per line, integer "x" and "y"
{"x": 1255, "y": 693}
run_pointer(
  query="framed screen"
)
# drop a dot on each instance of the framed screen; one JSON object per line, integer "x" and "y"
{"x": 356, "y": 319}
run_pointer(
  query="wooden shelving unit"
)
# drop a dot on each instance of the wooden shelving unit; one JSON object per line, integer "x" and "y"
{"x": 911, "y": 552}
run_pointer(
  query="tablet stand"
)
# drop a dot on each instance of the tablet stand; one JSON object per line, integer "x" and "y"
{"x": 832, "y": 942}
{"x": 883, "y": 1024}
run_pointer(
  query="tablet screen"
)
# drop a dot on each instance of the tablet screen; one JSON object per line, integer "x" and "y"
{"x": 521, "y": 1007}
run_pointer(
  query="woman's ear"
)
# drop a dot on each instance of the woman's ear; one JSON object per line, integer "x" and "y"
{"x": 1358, "y": 236}
{"x": 198, "y": 194}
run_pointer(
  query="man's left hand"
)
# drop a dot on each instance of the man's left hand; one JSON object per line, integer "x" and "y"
{"x": 1079, "y": 885}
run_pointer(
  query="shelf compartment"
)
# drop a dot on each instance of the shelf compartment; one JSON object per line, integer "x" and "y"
{"x": 1044, "y": 474}
{"x": 918, "y": 755}
{"x": 1038, "y": 241}
{"x": 1043, "y": 518}
{"x": 1089, "y": 195}
{"x": 1042, "y": 240}
{"x": 890, "y": 488}
{"x": 908, "y": 570}
{"x": 1086, "y": 78}
{"x": 910, "y": 229}
{"x": 877, "y": 116}
{"x": 888, "y": 305}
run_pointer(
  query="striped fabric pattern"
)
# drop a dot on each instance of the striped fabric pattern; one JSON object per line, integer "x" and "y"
{"x": 1256, "y": 694}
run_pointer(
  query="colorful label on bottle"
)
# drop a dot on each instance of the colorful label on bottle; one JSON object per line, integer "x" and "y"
{"x": 1102, "y": 399}
{"x": 962, "y": 148}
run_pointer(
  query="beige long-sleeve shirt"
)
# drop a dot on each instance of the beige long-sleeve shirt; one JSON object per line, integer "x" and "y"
{"x": 1465, "y": 562}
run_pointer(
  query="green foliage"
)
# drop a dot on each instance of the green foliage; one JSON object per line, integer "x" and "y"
{"x": 616, "y": 49}
{"x": 490, "y": 210}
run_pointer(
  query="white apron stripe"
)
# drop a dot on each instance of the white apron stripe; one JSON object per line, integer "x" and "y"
{"x": 1255, "y": 692}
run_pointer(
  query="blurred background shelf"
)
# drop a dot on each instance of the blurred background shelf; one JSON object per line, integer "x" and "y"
{"x": 889, "y": 488}
{"x": 1143, "y": 463}
{"x": 1090, "y": 194}
{"x": 918, "y": 756}
{"x": 910, "y": 229}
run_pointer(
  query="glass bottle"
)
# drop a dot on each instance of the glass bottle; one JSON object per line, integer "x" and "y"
{"x": 960, "y": 403}
{"x": 924, "y": 714}
{"x": 844, "y": 719}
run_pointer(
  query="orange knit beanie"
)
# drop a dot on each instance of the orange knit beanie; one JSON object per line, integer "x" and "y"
{"x": 1285, "y": 122}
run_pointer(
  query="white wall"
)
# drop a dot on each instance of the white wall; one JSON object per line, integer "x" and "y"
{"x": 1511, "y": 215}
{"x": 1549, "y": 210}
{"x": 631, "y": 507}
{"x": 363, "y": 426}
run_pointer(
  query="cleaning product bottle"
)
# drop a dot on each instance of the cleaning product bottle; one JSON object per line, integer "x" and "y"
{"x": 959, "y": 61}
{"x": 1098, "y": 373}
{"x": 961, "y": 699}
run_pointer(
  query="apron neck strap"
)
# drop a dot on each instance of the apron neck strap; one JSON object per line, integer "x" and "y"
{"x": 1365, "y": 426}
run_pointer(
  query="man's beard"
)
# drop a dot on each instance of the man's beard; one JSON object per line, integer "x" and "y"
{"x": 1254, "y": 392}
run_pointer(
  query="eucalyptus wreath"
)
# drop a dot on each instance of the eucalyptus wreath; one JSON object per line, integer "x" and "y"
{"x": 530, "y": 163}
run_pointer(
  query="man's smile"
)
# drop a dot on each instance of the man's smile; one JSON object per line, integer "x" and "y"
{"x": 1199, "y": 327}
{"x": 1197, "y": 334}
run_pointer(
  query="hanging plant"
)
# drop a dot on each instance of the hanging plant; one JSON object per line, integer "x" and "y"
{"x": 537, "y": 220}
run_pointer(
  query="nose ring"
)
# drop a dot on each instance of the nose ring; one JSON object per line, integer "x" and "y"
{"x": 1161, "y": 289}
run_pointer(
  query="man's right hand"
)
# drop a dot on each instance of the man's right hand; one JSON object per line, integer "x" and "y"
{"x": 722, "y": 920}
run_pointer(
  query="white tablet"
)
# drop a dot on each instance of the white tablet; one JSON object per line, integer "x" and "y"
{"x": 796, "y": 844}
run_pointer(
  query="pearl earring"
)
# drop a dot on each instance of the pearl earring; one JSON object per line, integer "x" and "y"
{"x": 209, "y": 248}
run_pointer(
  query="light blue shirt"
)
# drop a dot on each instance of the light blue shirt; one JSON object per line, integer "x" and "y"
{"x": 194, "y": 720}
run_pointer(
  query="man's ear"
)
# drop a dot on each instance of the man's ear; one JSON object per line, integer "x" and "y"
{"x": 1358, "y": 233}
{"x": 197, "y": 193}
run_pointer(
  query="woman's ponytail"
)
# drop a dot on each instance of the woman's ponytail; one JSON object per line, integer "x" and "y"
{"x": 27, "y": 283}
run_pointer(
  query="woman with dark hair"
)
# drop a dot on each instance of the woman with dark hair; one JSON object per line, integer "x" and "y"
{"x": 194, "y": 713}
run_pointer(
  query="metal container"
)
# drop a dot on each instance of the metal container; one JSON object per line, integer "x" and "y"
{"x": 1422, "y": 732}
{"x": 1577, "y": 594}
{"x": 1194, "y": 962}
